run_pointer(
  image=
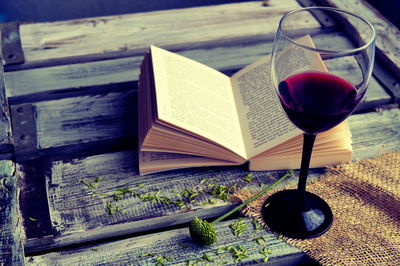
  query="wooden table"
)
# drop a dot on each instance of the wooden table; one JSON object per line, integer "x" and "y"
{"x": 68, "y": 132}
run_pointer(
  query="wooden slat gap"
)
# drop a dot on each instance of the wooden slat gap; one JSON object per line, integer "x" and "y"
{"x": 72, "y": 92}
{"x": 75, "y": 60}
{"x": 86, "y": 148}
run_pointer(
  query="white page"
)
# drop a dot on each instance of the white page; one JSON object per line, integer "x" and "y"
{"x": 196, "y": 98}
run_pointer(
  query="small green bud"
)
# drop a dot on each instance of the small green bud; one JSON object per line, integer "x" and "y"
{"x": 202, "y": 232}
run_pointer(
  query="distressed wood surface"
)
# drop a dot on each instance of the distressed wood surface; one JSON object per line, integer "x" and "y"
{"x": 375, "y": 133}
{"x": 11, "y": 230}
{"x": 90, "y": 118}
{"x": 122, "y": 74}
{"x": 388, "y": 35}
{"x": 80, "y": 81}
{"x": 107, "y": 115}
{"x": 172, "y": 28}
{"x": 110, "y": 117}
{"x": 79, "y": 212}
{"x": 5, "y": 124}
{"x": 86, "y": 118}
{"x": 180, "y": 249}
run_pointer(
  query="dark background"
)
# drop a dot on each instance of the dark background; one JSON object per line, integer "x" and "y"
{"x": 53, "y": 10}
{"x": 389, "y": 8}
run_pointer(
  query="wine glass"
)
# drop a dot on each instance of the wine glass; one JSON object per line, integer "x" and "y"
{"x": 318, "y": 87}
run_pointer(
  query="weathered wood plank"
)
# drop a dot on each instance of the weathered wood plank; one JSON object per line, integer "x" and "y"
{"x": 178, "y": 247}
{"x": 77, "y": 215}
{"x": 99, "y": 109}
{"x": 191, "y": 27}
{"x": 79, "y": 209}
{"x": 86, "y": 118}
{"x": 90, "y": 78}
{"x": 5, "y": 124}
{"x": 112, "y": 116}
{"x": 176, "y": 244}
{"x": 11, "y": 231}
{"x": 110, "y": 119}
{"x": 375, "y": 133}
{"x": 388, "y": 35}
{"x": 53, "y": 82}
{"x": 390, "y": 81}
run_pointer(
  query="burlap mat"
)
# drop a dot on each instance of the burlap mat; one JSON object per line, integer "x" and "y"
{"x": 365, "y": 201}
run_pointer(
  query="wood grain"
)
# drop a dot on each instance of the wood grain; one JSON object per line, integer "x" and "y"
{"x": 111, "y": 118}
{"x": 92, "y": 118}
{"x": 191, "y": 27}
{"x": 77, "y": 215}
{"x": 86, "y": 118}
{"x": 5, "y": 123}
{"x": 110, "y": 115}
{"x": 121, "y": 74}
{"x": 11, "y": 231}
{"x": 375, "y": 133}
{"x": 177, "y": 245}
{"x": 80, "y": 78}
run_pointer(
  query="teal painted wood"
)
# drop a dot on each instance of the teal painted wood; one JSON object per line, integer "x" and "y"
{"x": 11, "y": 229}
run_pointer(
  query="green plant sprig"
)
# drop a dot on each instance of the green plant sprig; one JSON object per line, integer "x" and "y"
{"x": 162, "y": 260}
{"x": 203, "y": 232}
{"x": 248, "y": 178}
{"x": 239, "y": 253}
{"x": 266, "y": 253}
{"x": 238, "y": 227}
{"x": 91, "y": 184}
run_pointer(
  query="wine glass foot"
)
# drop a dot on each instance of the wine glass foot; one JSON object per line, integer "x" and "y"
{"x": 294, "y": 215}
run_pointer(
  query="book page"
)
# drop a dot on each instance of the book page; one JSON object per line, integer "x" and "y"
{"x": 336, "y": 137}
{"x": 293, "y": 161}
{"x": 196, "y": 98}
{"x": 264, "y": 123}
{"x": 304, "y": 60}
{"x": 151, "y": 162}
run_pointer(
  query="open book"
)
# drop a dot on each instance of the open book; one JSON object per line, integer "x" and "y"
{"x": 192, "y": 115}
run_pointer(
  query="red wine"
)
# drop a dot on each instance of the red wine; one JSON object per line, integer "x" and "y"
{"x": 317, "y": 101}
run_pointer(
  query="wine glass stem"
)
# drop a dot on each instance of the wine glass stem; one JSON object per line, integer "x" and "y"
{"x": 308, "y": 143}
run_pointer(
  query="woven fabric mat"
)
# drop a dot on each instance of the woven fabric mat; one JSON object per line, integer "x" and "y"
{"x": 365, "y": 201}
